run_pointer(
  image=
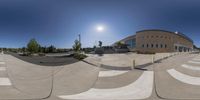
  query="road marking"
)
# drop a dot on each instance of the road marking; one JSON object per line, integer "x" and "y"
{"x": 5, "y": 81}
{"x": 2, "y": 62}
{"x": 183, "y": 77}
{"x": 140, "y": 89}
{"x": 194, "y": 62}
{"x": 110, "y": 73}
{"x": 196, "y": 59}
{"x": 191, "y": 67}
{"x": 2, "y": 68}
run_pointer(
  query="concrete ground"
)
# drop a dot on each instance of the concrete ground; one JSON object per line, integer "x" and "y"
{"x": 104, "y": 77}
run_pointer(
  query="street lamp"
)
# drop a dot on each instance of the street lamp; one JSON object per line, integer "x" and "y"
{"x": 79, "y": 39}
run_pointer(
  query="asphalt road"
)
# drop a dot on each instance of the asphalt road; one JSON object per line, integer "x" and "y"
{"x": 46, "y": 60}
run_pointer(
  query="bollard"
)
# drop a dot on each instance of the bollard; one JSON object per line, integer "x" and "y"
{"x": 133, "y": 67}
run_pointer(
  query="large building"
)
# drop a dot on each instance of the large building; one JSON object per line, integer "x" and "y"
{"x": 155, "y": 41}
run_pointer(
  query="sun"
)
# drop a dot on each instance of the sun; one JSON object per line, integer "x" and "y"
{"x": 100, "y": 28}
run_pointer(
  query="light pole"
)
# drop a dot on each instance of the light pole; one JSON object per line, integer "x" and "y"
{"x": 1, "y": 50}
{"x": 79, "y": 37}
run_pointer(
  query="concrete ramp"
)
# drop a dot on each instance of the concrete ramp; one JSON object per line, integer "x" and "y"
{"x": 194, "y": 62}
{"x": 191, "y": 67}
{"x": 111, "y": 73}
{"x": 139, "y": 89}
{"x": 184, "y": 78}
{"x": 24, "y": 80}
{"x": 74, "y": 78}
{"x": 178, "y": 83}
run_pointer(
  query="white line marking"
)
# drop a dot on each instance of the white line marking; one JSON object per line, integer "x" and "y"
{"x": 194, "y": 62}
{"x": 196, "y": 59}
{"x": 110, "y": 73}
{"x": 2, "y": 68}
{"x": 184, "y": 78}
{"x": 140, "y": 89}
{"x": 2, "y": 62}
{"x": 191, "y": 67}
{"x": 5, "y": 81}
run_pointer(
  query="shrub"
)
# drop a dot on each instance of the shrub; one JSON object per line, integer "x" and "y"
{"x": 79, "y": 56}
{"x": 77, "y": 46}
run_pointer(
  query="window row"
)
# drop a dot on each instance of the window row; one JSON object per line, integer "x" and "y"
{"x": 166, "y": 37}
{"x": 154, "y": 45}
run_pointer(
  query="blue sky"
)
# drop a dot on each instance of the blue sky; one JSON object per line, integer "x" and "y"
{"x": 58, "y": 22}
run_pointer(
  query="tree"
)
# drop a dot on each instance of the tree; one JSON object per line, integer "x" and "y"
{"x": 100, "y": 44}
{"x": 23, "y": 49}
{"x": 51, "y": 49}
{"x": 77, "y": 46}
{"x": 119, "y": 44}
{"x": 33, "y": 46}
{"x": 44, "y": 49}
{"x": 40, "y": 49}
{"x": 94, "y": 47}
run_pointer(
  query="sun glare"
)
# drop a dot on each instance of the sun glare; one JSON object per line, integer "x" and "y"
{"x": 100, "y": 28}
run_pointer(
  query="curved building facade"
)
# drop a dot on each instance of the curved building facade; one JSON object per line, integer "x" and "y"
{"x": 156, "y": 41}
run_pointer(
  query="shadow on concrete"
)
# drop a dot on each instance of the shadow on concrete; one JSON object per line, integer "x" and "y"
{"x": 115, "y": 67}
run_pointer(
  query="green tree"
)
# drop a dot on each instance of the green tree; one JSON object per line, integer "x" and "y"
{"x": 119, "y": 44}
{"x": 23, "y": 49}
{"x": 100, "y": 44}
{"x": 33, "y": 46}
{"x": 40, "y": 49}
{"x": 51, "y": 49}
{"x": 77, "y": 46}
{"x": 94, "y": 47}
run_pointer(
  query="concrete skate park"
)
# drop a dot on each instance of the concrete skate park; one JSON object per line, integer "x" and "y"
{"x": 124, "y": 76}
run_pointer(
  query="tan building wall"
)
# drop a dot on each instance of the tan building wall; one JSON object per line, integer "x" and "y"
{"x": 152, "y": 41}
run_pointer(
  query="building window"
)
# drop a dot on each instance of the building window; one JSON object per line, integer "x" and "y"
{"x": 161, "y": 36}
{"x": 165, "y": 45}
{"x": 176, "y": 47}
{"x": 151, "y": 36}
{"x": 151, "y": 45}
{"x": 157, "y": 36}
{"x": 161, "y": 46}
{"x": 156, "y": 45}
{"x": 143, "y": 37}
{"x": 142, "y": 45}
{"x": 147, "y": 45}
{"x": 130, "y": 43}
{"x": 147, "y": 36}
{"x": 165, "y": 37}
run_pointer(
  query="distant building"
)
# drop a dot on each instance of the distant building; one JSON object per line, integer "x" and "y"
{"x": 155, "y": 41}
